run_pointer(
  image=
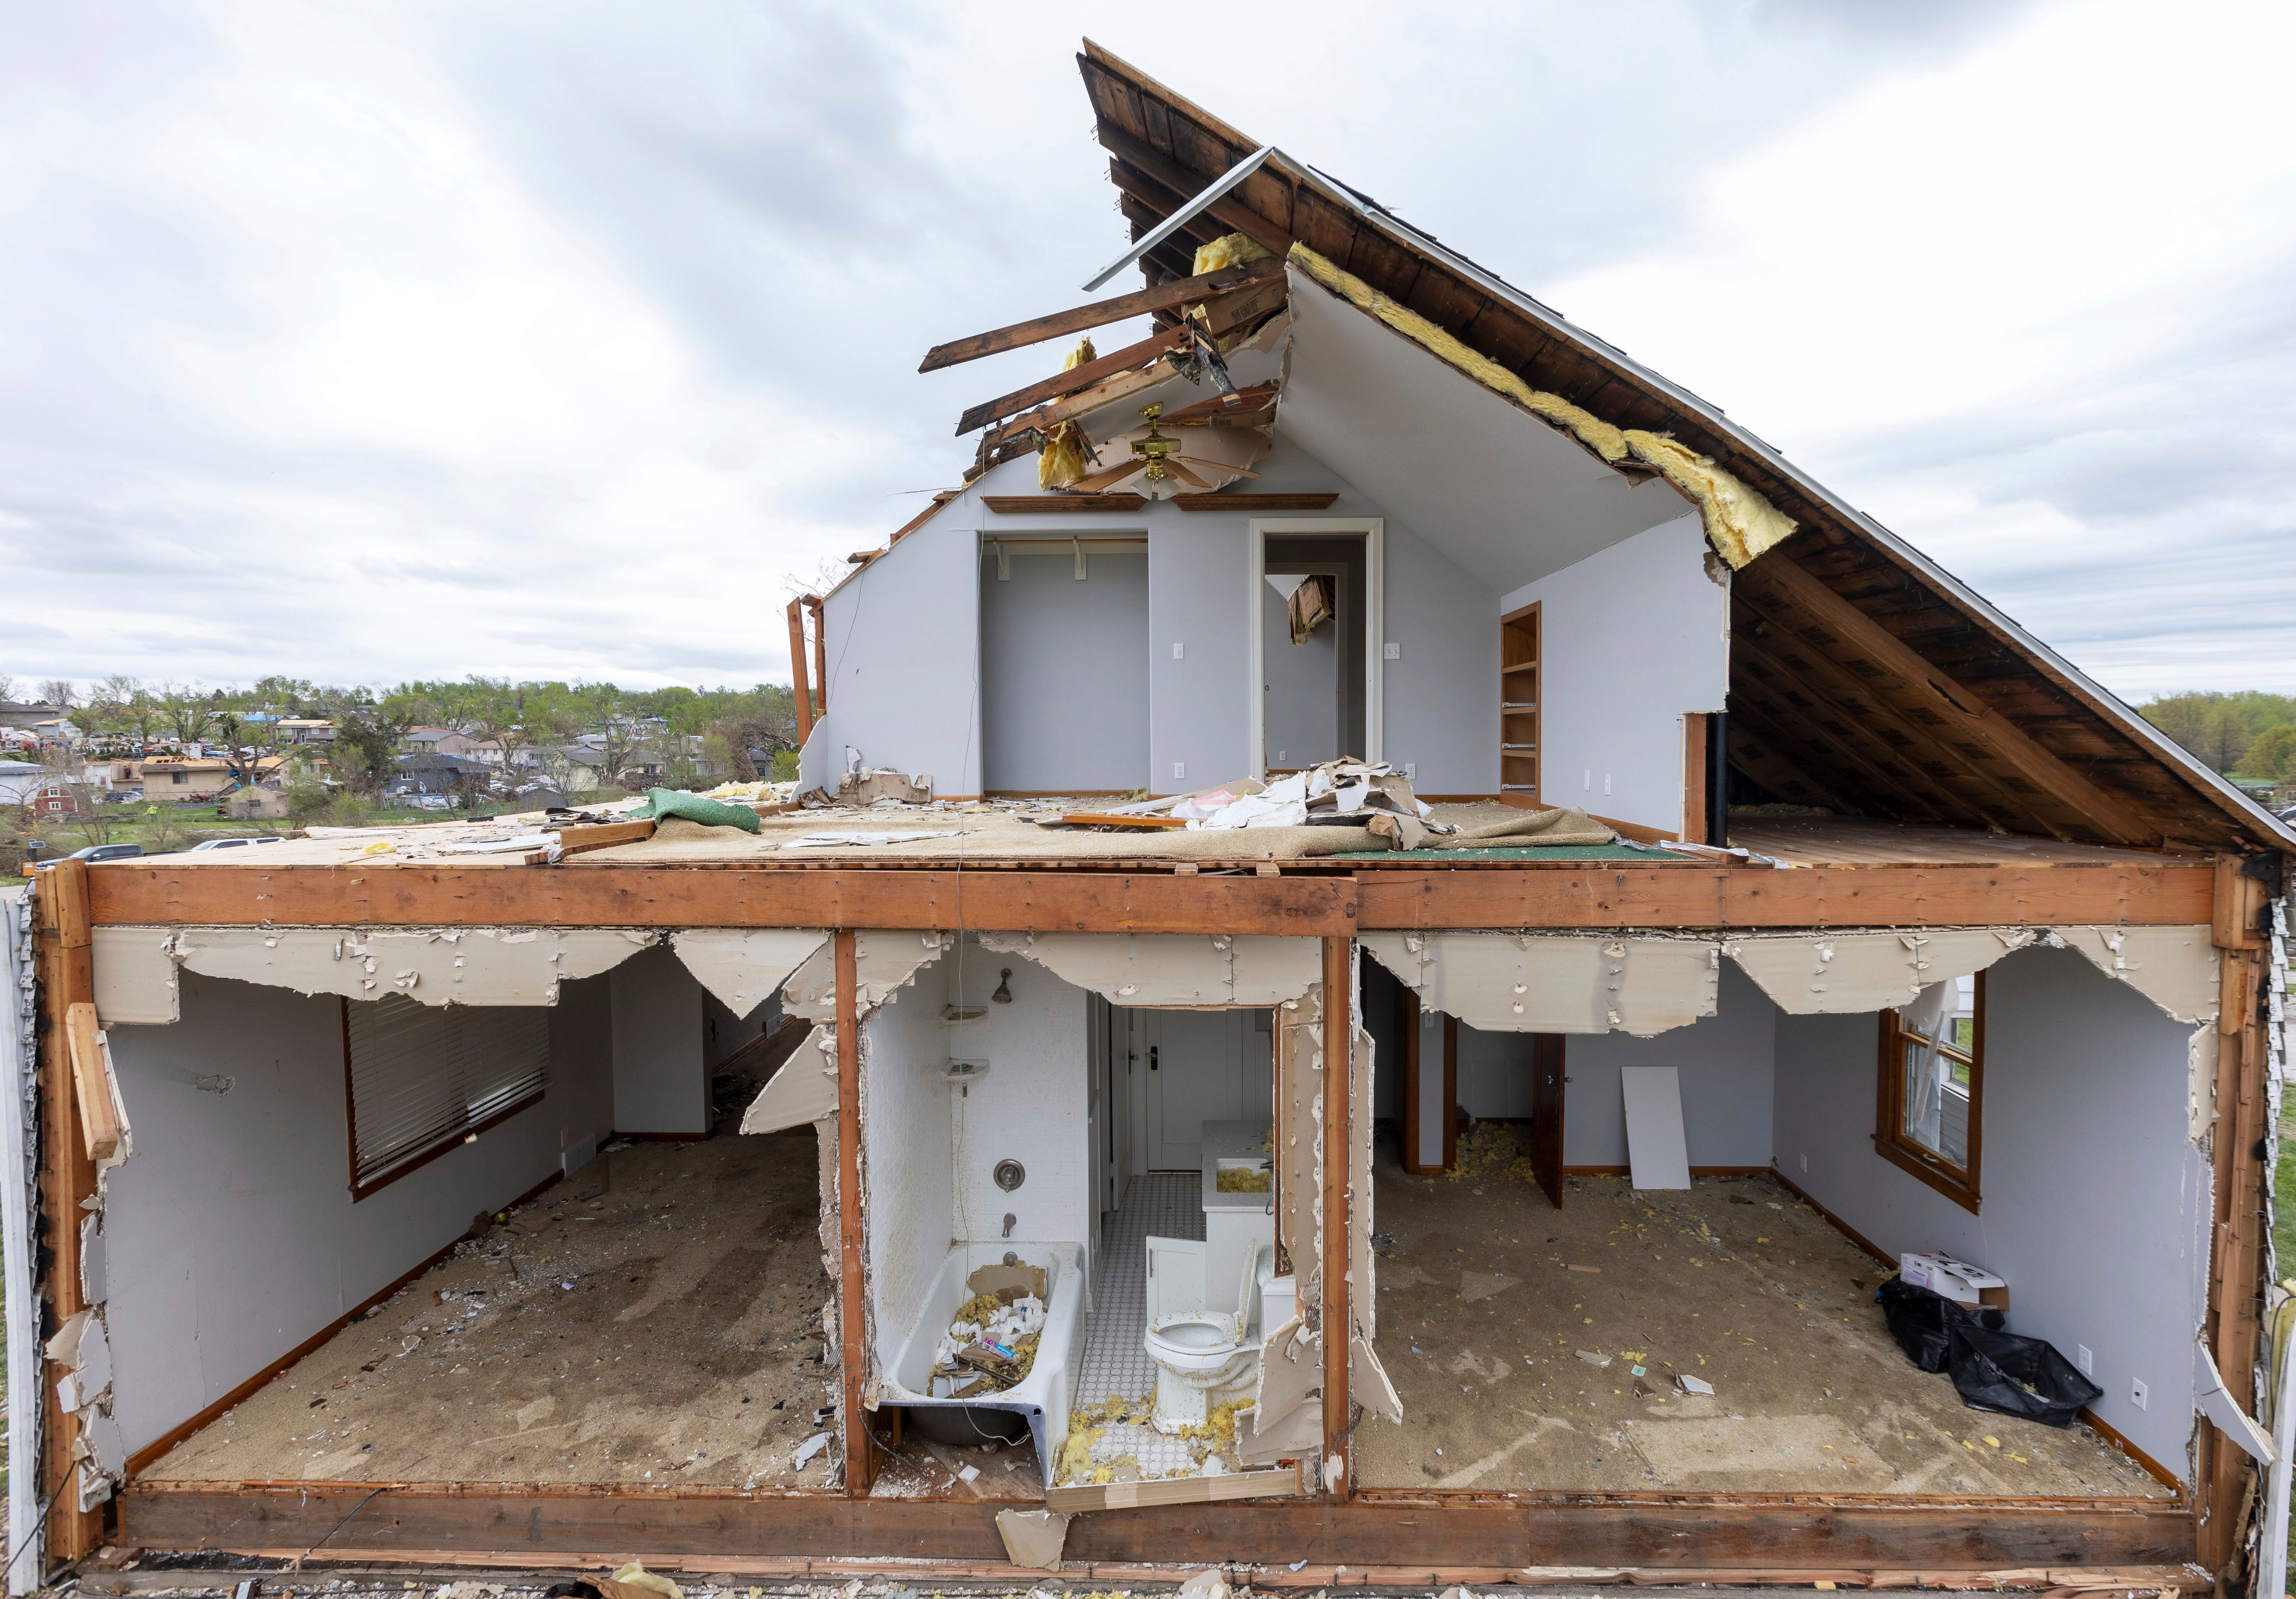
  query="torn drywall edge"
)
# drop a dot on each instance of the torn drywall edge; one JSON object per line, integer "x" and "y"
{"x": 742, "y": 966}
{"x": 1172, "y": 969}
{"x": 884, "y": 961}
{"x": 799, "y": 1091}
{"x": 135, "y": 970}
{"x": 474, "y": 965}
{"x": 1557, "y": 983}
{"x": 2176, "y": 968}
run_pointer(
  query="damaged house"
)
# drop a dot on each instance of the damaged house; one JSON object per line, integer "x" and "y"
{"x": 1418, "y": 923}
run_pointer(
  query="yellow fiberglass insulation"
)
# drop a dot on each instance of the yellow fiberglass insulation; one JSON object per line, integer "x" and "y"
{"x": 1740, "y": 523}
{"x": 1066, "y": 455}
{"x": 1232, "y": 249}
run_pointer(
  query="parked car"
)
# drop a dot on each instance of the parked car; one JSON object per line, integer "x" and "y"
{"x": 205, "y": 844}
{"x": 94, "y": 852}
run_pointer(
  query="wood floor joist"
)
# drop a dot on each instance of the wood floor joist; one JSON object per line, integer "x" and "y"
{"x": 1369, "y": 1533}
{"x": 1580, "y": 894}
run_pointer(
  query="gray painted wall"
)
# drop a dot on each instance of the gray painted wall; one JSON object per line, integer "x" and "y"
{"x": 2095, "y": 1202}
{"x": 1630, "y": 639}
{"x": 661, "y": 1073}
{"x": 1064, "y": 672}
{"x": 902, "y": 640}
{"x": 231, "y": 1233}
{"x": 1726, "y": 1063}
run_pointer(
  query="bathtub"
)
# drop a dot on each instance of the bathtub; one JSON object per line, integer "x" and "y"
{"x": 1042, "y": 1398}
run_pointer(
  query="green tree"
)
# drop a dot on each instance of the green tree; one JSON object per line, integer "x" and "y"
{"x": 2273, "y": 755}
{"x": 187, "y": 713}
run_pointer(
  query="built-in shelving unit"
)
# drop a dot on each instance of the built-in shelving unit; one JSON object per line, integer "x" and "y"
{"x": 1519, "y": 706}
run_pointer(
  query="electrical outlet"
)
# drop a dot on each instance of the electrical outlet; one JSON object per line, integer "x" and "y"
{"x": 1179, "y": 769}
{"x": 1411, "y": 771}
{"x": 1395, "y": 652}
{"x": 2085, "y": 1360}
{"x": 2138, "y": 1393}
{"x": 1587, "y": 779}
{"x": 1180, "y": 651}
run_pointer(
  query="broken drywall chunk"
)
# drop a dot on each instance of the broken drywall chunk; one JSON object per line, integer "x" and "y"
{"x": 1533, "y": 983}
{"x": 742, "y": 966}
{"x": 1172, "y": 969}
{"x": 884, "y": 961}
{"x": 135, "y": 971}
{"x": 473, "y": 966}
{"x": 1846, "y": 973}
{"x": 1033, "y": 1538}
{"x": 2176, "y": 968}
{"x": 805, "y": 1089}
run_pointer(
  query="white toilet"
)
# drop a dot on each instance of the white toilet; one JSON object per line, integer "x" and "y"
{"x": 1206, "y": 1357}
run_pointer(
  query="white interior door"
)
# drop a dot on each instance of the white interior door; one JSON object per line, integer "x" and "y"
{"x": 1195, "y": 1064}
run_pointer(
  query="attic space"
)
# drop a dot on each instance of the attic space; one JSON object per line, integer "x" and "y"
{"x": 1539, "y": 1345}
{"x": 365, "y": 1240}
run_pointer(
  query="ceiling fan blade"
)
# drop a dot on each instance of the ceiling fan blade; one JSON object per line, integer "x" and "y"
{"x": 1172, "y": 464}
{"x": 1109, "y": 478}
{"x": 1214, "y": 465}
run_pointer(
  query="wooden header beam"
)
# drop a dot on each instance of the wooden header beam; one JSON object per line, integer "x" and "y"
{"x": 1590, "y": 895}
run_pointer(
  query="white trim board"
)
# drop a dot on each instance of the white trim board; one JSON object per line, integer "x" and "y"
{"x": 1373, "y": 532}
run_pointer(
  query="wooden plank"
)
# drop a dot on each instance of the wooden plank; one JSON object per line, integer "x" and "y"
{"x": 99, "y": 1117}
{"x": 1694, "y": 827}
{"x": 1153, "y": 348}
{"x": 608, "y": 1523}
{"x": 587, "y": 893}
{"x": 1338, "y": 1314}
{"x": 1281, "y": 1483}
{"x": 63, "y": 966}
{"x": 1100, "y": 312}
{"x": 852, "y": 1285}
{"x": 603, "y": 835}
{"x": 802, "y": 694}
{"x": 1252, "y": 504}
{"x": 1060, "y": 504}
{"x": 1658, "y": 896}
{"x": 1085, "y": 818}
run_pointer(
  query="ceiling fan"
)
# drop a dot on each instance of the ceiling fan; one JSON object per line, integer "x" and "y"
{"x": 1159, "y": 457}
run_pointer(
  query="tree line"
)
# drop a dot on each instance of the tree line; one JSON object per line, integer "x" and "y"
{"x": 2250, "y": 733}
{"x": 741, "y": 730}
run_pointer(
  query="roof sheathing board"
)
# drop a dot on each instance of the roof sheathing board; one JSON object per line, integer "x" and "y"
{"x": 2071, "y": 717}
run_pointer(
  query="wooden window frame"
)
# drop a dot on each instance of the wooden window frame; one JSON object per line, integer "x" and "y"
{"x": 446, "y": 1144}
{"x": 1962, "y": 1186}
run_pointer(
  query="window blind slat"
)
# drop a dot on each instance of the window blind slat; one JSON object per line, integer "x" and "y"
{"x": 424, "y": 1075}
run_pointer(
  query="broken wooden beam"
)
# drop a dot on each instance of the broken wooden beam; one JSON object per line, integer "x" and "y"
{"x": 1140, "y": 302}
{"x": 603, "y": 835}
{"x": 99, "y": 1119}
{"x": 1229, "y": 210}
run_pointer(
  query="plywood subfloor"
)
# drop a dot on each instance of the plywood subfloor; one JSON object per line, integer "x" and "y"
{"x": 666, "y": 1329}
{"x": 1737, "y": 1282}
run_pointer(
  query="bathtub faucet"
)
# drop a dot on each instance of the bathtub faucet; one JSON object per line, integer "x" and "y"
{"x": 1009, "y": 1220}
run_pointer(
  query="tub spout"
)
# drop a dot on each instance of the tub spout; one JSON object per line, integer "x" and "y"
{"x": 1009, "y": 1220}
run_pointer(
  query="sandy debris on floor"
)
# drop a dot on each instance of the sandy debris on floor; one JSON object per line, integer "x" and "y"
{"x": 655, "y": 1318}
{"x": 1488, "y": 1295}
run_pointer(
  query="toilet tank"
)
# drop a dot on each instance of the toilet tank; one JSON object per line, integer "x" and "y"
{"x": 1279, "y": 1299}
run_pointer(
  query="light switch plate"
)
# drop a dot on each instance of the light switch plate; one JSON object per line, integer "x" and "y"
{"x": 1180, "y": 651}
{"x": 1395, "y": 652}
{"x": 2085, "y": 1360}
{"x": 1179, "y": 769}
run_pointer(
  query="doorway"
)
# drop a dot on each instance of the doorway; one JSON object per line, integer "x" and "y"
{"x": 1196, "y": 1069}
{"x": 1315, "y": 642}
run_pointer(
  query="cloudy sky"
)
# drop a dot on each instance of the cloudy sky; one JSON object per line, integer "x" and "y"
{"x": 364, "y": 342}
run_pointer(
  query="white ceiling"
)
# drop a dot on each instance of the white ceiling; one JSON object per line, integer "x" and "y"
{"x": 1508, "y": 496}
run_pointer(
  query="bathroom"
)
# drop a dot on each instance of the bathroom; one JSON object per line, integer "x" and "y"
{"x": 1007, "y": 1112}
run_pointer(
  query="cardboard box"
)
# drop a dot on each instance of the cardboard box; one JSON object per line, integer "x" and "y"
{"x": 1955, "y": 1280}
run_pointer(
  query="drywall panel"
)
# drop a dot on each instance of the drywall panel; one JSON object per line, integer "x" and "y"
{"x": 2176, "y": 968}
{"x": 1302, "y": 681}
{"x": 1528, "y": 983}
{"x": 1725, "y": 1063}
{"x": 661, "y": 1073}
{"x": 743, "y": 966}
{"x": 1063, "y": 672}
{"x": 230, "y": 1236}
{"x": 908, "y": 1113}
{"x": 805, "y": 1088}
{"x": 1630, "y": 639}
{"x": 883, "y": 959}
{"x": 1144, "y": 970}
{"x": 472, "y": 965}
{"x": 901, "y": 638}
{"x": 1843, "y": 974}
{"x": 1509, "y": 497}
{"x": 2095, "y": 1202}
{"x": 1656, "y": 1151}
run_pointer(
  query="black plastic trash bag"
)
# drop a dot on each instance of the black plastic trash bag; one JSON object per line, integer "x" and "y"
{"x": 2024, "y": 1377}
{"x": 1918, "y": 1319}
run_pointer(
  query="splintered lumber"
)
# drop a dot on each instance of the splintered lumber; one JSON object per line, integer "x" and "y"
{"x": 1222, "y": 315}
{"x": 1100, "y": 312}
{"x": 99, "y": 1121}
{"x": 603, "y": 835}
{"x": 1085, "y": 818}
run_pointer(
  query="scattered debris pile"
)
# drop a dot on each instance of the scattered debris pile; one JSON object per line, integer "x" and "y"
{"x": 991, "y": 1341}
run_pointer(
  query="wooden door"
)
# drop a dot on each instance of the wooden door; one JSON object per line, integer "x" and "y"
{"x": 1547, "y": 1079}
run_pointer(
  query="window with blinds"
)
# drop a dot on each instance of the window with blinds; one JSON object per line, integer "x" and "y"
{"x": 424, "y": 1077}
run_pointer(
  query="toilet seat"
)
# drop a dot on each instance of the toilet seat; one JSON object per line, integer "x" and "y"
{"x": 1195, "y": 1340}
